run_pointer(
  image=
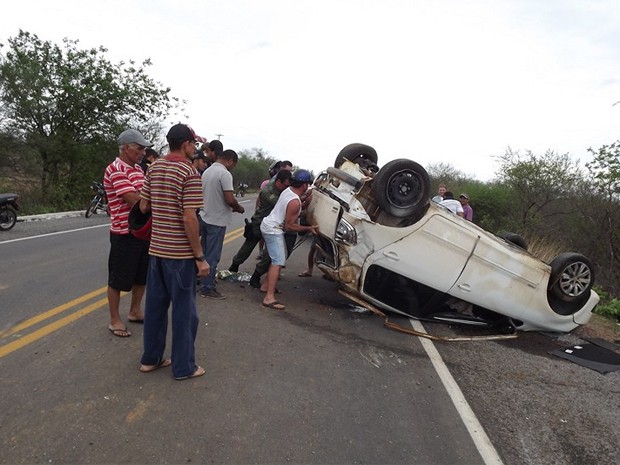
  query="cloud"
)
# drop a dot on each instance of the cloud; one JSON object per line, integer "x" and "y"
{"x": 448, "y": 81}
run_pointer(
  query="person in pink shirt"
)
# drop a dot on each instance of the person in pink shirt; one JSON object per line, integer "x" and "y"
{"x": 468, "y": 212}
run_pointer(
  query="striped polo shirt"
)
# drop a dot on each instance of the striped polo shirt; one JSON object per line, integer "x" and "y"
{"x": 121, "y": 178}
{"x": 172, "y": 184}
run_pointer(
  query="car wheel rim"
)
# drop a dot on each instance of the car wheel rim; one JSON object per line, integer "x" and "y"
{"x": 575, "y": 279}
{"x": 403, "y": 187}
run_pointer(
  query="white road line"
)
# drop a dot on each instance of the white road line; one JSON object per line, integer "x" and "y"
{"x": 107, "y": 225}
{"x": 475, "y": 429}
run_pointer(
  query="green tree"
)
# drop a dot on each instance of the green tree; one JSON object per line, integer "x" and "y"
{"x": 545, "y": 186}
{"x": 253, "y": 167}
{"x": 604, "y": 170}
{"x": 494, "y": 206}
{"x": 601, "y": 212}
{"x": 445, "y": 173}
{"x": 67, "y": 106}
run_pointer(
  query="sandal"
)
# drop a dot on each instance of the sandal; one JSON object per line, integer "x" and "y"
{"x": 149, "y": 368}
{"x": 275, "y": 305}
{"x": 120, "y": 332}
{"x": 199, "y": 372}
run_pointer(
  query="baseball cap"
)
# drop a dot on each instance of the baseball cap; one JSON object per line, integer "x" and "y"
{"x": 131, "y": 136}
{"x": 464, "y": 195}
{"x": 182, "y": 132}
{"x": 199, "y": 155}
{"x": 302, "y": 176}
{"x": 274, "y": 168}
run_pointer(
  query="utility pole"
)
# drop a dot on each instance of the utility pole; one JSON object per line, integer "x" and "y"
{"x": 219, "y": 135}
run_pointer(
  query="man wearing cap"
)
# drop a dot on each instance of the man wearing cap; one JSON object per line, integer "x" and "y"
{"x": 283, "y": 217}
{"x": 128, "y": 258}
{"x": 468, "y": 212}
{"x": 219, "y": 203}
{"x": 200, "y": 161}
{"x": 172, "y": 193}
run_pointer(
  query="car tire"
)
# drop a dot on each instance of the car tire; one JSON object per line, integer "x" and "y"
{"x": 401, "y": 188}
{"x": 362, "y": 154}
{"x": 514, "y": 239}
{"x": 572, "y": 277}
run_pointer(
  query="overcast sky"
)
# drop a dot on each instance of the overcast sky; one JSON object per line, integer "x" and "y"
{"x": 431, "y": 80}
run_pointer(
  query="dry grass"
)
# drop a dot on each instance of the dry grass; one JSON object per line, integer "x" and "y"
{"x": 544, "y": 249}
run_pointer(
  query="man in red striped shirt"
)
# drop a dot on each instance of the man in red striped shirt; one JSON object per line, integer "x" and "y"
{"x": 128, "y": 259}
{"x": 172, "y": 192}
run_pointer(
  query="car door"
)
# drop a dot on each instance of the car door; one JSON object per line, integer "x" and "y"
{"x": 325, "y": 211}
{"x": 500, "y": 276}
{"x": 434, "y": 254}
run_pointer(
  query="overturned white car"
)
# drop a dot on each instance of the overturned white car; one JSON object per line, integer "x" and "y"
{"x": 386, "y": 243}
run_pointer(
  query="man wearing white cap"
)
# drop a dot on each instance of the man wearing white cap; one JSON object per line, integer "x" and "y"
{"x": 128, "y": 259}
{"x": 468, "y": 212}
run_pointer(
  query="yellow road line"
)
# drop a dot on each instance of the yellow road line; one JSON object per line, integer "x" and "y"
{"x": 39, "y": 333}
{"x": 231, "y": 236}
{"x": 77, "y": 314}
{"x": 50, "y": 313}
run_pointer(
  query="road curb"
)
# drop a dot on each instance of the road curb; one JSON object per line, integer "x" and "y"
{"x": 51, "y": 216}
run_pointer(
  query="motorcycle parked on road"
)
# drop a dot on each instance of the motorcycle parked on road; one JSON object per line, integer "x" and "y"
{"x": 8, "y": 211}
{"x": 99, "y": 201}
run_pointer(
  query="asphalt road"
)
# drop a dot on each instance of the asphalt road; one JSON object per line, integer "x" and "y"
{"x": 321, "y": 383}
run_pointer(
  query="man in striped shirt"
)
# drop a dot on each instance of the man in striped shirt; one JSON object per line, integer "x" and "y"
{"x": 172, "y": 192}
{"x": 128, "y": 259}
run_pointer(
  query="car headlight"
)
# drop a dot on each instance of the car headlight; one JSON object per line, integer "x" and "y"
{"x": 345, "y": 233}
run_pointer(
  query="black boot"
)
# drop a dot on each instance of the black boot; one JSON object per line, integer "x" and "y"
{"x": 255, "y": 280}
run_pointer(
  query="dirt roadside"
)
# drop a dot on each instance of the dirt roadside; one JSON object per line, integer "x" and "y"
{"x": 600, "y": 327}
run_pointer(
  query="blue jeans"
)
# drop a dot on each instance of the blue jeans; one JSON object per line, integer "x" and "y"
{"x": 212, "y": 241}
{"x": 171, "y": 281}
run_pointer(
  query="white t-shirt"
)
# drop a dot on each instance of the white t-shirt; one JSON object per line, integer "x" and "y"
{"x": 274, "y": 222}
{"x": 215, "y": 180}
{"x": 453, "y": 205}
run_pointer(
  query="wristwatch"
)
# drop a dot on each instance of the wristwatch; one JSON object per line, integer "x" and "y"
{"x": 201, "y": 258}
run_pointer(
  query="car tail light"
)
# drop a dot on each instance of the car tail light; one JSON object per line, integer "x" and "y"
{"x": 345, "y": 233}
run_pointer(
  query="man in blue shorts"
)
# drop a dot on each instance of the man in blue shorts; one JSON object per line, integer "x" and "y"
{"x": 283, "y": 218}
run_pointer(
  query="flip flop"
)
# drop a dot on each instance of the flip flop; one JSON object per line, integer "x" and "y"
{"x": 166, "y": 362}
{"x": 305, "y": 274}
{"x": 120, "y": 332}
{"x": 274, "y": 305}
{"x": 139, "y": 321}
{"x": 276, "y": 292}
{"x": 199, "y": 372}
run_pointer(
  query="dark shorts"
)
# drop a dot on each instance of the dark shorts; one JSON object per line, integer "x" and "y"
{"x": 128, "y": 261}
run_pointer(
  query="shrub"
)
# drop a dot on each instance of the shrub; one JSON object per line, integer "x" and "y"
{"x": 608, "y": 306}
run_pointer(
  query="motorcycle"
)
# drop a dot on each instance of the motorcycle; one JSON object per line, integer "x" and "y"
{"x": 100, "y": 200}
{"x": 241, "y": 190}
{"x": 8, "y": 211}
